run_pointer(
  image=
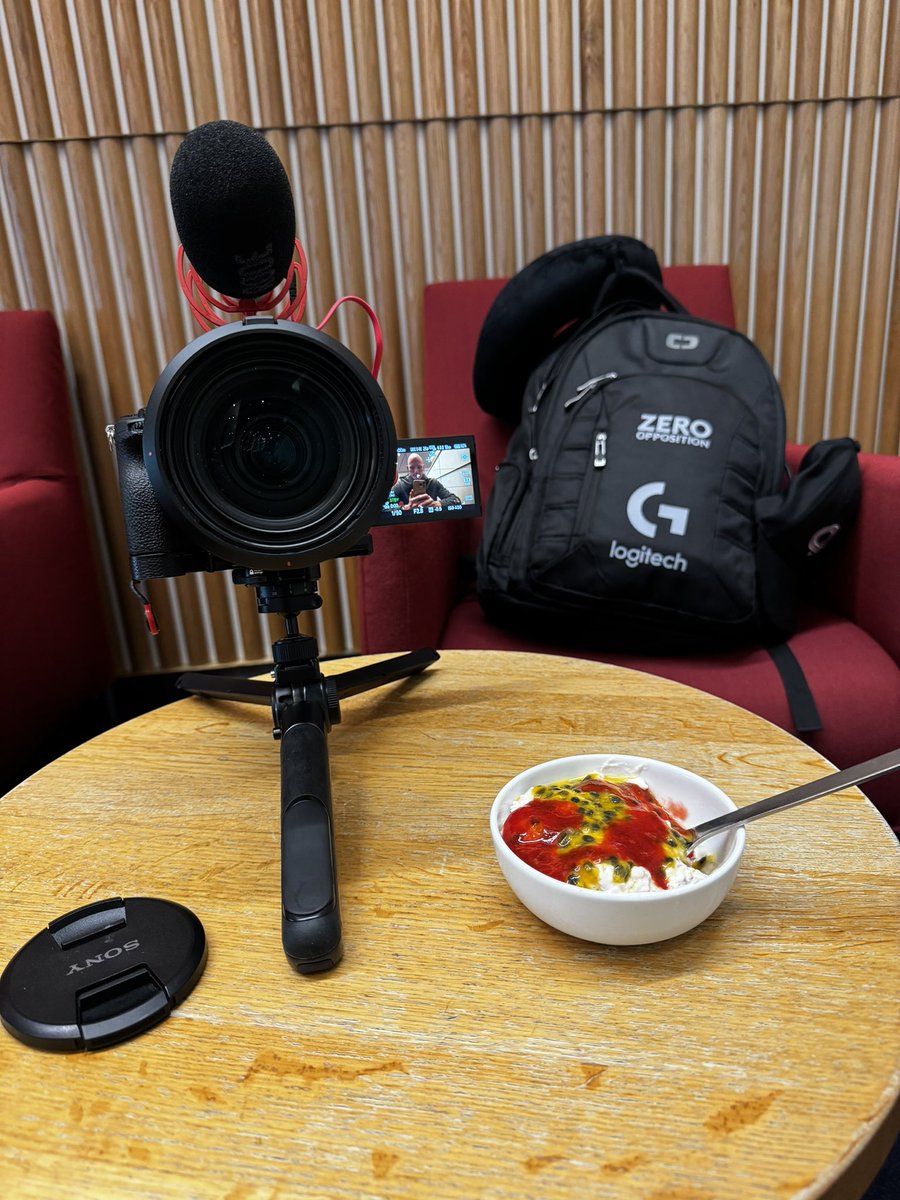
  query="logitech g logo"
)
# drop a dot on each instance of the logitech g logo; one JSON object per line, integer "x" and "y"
{"x": 673, "y": 513}
{"x": 682, "y": 341}
{"x": 96, "y": 959}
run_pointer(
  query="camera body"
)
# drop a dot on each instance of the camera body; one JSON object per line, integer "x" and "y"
{"x": 264, "y": 445}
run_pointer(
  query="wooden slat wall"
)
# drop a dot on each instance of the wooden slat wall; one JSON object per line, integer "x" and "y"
{"x": 441, "y": 139}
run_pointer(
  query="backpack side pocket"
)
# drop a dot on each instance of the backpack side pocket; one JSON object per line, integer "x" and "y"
{"x": 802, "y": 522}
{"x": 502, "y": 510}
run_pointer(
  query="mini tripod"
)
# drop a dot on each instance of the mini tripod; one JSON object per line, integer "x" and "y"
{"x": 305, "y": 704}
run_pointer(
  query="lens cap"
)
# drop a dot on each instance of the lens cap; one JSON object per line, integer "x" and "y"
{"x": 102, "y": 974}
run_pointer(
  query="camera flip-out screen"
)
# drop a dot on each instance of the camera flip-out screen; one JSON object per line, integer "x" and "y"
{"x": 435, "y": 479}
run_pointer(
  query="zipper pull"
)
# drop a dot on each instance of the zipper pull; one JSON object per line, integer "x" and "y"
{"x": 590, "y": 386}
{"x": 540, "y": 393}
{"x": 532, "y": 453}
{"x": 600, "y": 449}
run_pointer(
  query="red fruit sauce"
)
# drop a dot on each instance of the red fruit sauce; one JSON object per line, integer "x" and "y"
{"x": 570, "y": 827}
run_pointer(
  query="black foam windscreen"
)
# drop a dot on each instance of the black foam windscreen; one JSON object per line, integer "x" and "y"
{"x": 233, "y": 209}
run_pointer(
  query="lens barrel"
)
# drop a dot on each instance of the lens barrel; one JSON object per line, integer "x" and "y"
{"x": 270, "y": 443}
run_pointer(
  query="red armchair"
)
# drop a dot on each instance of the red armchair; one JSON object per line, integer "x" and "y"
{"x": 54, "y": 650}
{"x": 848, "y": 637}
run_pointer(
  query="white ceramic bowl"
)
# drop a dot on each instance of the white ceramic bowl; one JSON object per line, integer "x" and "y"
{"x": 622, "y": 918}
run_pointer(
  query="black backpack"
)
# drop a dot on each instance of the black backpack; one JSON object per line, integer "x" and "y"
{"x": 643, "y": 504}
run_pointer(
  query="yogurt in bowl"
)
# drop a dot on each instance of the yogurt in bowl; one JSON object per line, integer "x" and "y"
{"x": 594, "y": 845}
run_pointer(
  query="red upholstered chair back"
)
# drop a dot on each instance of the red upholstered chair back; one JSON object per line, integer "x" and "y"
{"x": 54, "y": 644}
{"x": 35, "y": 427}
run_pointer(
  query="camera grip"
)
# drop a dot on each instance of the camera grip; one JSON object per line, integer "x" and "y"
{"x": 311, "y": 917}
{"x": 157, "y": 548}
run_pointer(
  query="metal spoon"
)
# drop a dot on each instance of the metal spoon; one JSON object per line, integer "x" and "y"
{"x": 871, "y": 769}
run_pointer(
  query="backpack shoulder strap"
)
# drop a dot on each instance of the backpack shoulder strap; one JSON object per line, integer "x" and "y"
{"x": 801, "y": 701}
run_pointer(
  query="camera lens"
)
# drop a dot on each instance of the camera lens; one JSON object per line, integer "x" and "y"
{"x": 271, "y": 442}
{"x": 271, "y": 454}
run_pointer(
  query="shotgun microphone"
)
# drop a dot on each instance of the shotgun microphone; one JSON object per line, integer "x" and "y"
{"x": 233, "y": 209}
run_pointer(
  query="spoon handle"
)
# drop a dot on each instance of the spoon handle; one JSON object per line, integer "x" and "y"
{"x": 836, "y": 782}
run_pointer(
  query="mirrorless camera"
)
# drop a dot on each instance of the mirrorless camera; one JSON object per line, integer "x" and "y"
{"x": 264, "y": 444}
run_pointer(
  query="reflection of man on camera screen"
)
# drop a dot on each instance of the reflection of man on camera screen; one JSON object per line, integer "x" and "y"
{"x": 416, "y": 490}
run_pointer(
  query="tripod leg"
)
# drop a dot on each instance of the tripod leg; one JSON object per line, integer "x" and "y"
{"x": 311, "y": 916}
{"x": 225, "y": 687}
{"x": 363, "y": 679}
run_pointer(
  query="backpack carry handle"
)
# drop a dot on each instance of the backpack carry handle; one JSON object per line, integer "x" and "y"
{"x": 632, "y": 287}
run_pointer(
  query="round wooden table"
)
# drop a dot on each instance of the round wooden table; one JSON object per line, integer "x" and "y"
{"x": 461, "y": 1049}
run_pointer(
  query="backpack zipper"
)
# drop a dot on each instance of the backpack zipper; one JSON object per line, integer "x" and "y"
{"x": 565, "y": 356}
{"x": 532, "y": 449}
{"x": 584, "y": 391}
{"x": 600, "y": 437}
{"x": 589, "y": 387}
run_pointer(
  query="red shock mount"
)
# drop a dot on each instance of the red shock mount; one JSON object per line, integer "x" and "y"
{"x": 288, "y": 301}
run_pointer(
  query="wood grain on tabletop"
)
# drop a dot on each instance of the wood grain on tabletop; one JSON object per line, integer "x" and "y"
{"x": 461, "y": 1048}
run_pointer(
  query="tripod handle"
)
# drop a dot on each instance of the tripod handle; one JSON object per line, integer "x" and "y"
{"x": 311, "y": 915}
